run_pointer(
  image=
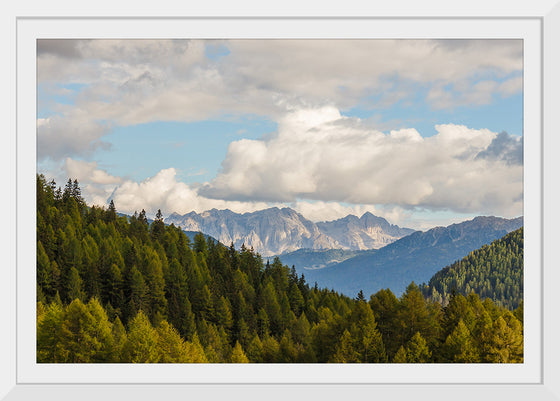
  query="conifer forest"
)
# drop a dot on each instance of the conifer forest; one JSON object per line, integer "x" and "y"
{"x": 114, "y": 288}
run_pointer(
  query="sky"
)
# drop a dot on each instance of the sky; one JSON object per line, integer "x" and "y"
{"x": 421, "y": 132}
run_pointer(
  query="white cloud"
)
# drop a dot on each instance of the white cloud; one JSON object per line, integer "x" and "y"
{"x": 302, "y": 84}
{"x": 164, "y": 192}
{"x": 137, "y": 81}
{"x": 96, "y": 184}
{"x": 344, "y": 68}
{"x": 88, "y": 172}
{"x": 511, "y": 86}
{"x": 75, "y": 134}
{"x": 338, "y": 160}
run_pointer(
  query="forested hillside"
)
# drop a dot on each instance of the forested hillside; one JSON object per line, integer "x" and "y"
{"x": 416, "y": 257}
{"x": 494, "y": 271}
{"x": 118, "y": 289}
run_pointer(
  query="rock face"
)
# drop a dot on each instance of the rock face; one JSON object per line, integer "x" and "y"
{"x": 366, "y": 232}
{"x": 275, "y": 231}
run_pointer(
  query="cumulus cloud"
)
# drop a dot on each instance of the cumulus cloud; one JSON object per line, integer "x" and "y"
{"x": 96, "y": 184}
{"x": 316, "y": 154}
{"x": 164, "y": 192}
{"x": 130, "y": 82}
{"x": 334, "y": 159}
{"x": 504, "y": 147}
{"x": 88, "y": 172}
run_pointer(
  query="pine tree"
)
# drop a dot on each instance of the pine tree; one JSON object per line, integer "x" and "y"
{"x": 302, "y": 330}
{"x": 413, "y": 316}
{"x": 483, "y": 335}
{"x": 401, "y": 356}
{"x": 518, "y": 313}
{"x": 178, "y": 304}
{"x": 296, "y": 299}
{"x": 49, "y": 332}
{"x": 75, "y": 286}
{"x": 271, "y": 349}
{"x": 255, "y": 350}
{"x": 43, "y": 265}
{"x": 171, "y": 346}
{"x": 459, "y": 346}
{"x": 142, "y": 344}
{"x": 237, "y": 355}
{"x": 345, "y": 352}
{"x": 417, "y": 350}
{"x": 507, "y": 341}
{"x": 366, "y": 338}
{"x": 222, "y": 312}
{"x": 288, "y": 352}
{"x": 111, "y": 214}
{"x": 102, "y": 333}
{"x": 119, "y": 340}
{"x": 137, "y": 300}
{"x": 204, "y": 302}
{"x": 384, "y": 305}
{"x": 157, "y": 229}
{"x": 155, "y": 285}
{"x": 263, "y": 323}
{"x": 86, "y": 336}
{"x": 360, "y": 296}
{"x": 195, "y": 351}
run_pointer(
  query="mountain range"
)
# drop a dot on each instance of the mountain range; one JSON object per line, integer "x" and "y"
{"x": 349, "y": 254}
{"x": 415, "y": 257}
{"x": 277, "y": 231}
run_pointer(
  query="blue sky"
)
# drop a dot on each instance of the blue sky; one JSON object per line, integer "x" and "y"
{"x": 404, "y": 129}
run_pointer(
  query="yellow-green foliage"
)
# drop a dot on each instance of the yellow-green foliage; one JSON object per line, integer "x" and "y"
{"x": 112, "y": 289}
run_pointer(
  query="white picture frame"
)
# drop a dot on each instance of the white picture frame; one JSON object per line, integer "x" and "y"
{"x": 21, "y": 168}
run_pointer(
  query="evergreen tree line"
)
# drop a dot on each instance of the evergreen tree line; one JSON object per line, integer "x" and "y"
{"x": 494, "y": 271}
{"x": 118, "y": 289}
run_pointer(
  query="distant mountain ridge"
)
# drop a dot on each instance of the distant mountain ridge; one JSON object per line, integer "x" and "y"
{"x": 276, "y": 231}
{"x": 415, "y": 257}
{"x": 366, "y": 232}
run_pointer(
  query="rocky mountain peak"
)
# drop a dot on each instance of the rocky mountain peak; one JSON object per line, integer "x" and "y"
{"x": 275, "y": 231}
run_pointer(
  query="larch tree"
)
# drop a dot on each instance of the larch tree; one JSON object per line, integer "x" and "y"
{"x": 142, "y": 344}
{"x": 237, "y": 355}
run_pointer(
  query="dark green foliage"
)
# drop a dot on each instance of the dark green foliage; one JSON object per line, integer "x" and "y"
{"x": 118, "y": 289}
{"x": 494, "y": 271}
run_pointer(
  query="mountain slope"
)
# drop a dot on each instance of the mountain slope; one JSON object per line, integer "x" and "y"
{"x": 276, "y": 231}
{"x": 269, "y": 232}
{"x": 413, "y": 258}
{"x": 366, "y": 232}
{"x": 494, "y": 271}
{"x": 310, "y": 259}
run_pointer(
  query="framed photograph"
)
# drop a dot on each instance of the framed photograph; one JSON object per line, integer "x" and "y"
{"x": 255, "y": 202}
